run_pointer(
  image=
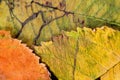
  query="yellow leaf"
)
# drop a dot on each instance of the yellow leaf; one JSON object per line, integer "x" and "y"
{"x": 84, "y": 54}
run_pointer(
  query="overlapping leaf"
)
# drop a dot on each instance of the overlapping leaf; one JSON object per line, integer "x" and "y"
{"x": 84, "y": 54}
{"x": 42, "y": 19}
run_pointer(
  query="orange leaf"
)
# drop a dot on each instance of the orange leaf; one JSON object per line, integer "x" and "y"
{"x": 17, "y": 62}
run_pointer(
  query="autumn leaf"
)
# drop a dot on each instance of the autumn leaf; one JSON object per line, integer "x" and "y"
{"x": 87, "y": 54}
{"x": 39, "y": 20}
{"x": 84, "y": 54}
{"x": 17, "y": 62}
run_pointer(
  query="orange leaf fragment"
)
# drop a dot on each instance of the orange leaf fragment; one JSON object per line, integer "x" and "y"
{"x": 17, "y": 62}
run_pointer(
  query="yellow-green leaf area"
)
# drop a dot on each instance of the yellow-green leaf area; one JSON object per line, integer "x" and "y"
{"x": 84, "y": 54}
{"x": 40, "y": 20}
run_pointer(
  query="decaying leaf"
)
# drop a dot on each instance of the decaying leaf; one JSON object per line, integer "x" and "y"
{"x": 17, "y": 62}
{"x": 84, "y": 54}
{"x": 34, "y": 21}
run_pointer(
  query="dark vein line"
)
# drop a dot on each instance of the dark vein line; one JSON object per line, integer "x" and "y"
{"x": 33, "y": 16}
{"x": 44, "y": 24}
{"x": 55, "y": 8}
{"x": 75, "y": 58}
{"x": 43, "y": 19}
{"x": 31, "y": 22}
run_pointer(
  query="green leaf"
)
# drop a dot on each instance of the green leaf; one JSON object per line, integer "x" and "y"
{"x": 84, "y": 54}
